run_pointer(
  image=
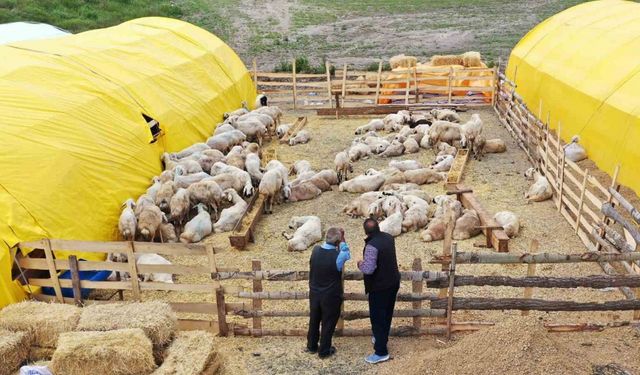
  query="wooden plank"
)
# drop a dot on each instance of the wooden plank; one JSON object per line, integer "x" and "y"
{"x": 449, "y": 84}
{"x": 499, "y": 239}
{"x": 83, "y": 246}
{"x": 222, "y": 313}
{"x": 133, "y": 271}
{"x": 187, "y": 287}
{"x": 170, "y": 248}
{"x": 346, "y": 315}
{"x": 407, "y": 89}
{"x": 293, "y": 78}
{"x": 194, "y": 307}
{"x": 328, "y": 70}
{"x": 483, "y": 304}
{"x": 298, "y": 275}
{"x": 531, "y": 271}
{"x": 499, "y": 258}
{"x": 416, "y": 287}
{"x": 62, "y": 265}
{"x": 197, "y": 325}
{"x": 452, "y": 276}
{"x": 583, "y": 190}
{"x": 53, "y": 273}
{"x": 256, "y": 265}
{"x": 75, "y": 280}
{"x": 377, "y": 100}
{"x": 65, "y": 283}
{"x": 303, "y": 295}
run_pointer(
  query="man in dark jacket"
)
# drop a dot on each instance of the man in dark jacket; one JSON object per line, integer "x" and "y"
{"x": 325, "y": 291}
{"x": 381, "y": 283}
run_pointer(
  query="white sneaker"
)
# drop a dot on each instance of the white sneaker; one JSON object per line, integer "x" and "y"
{"x": 374, "y": 358}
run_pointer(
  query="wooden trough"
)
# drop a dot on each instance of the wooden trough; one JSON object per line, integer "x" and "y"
{"x": 496, "y": 237}
{"x": 300, "y": 123}
{"x": 457, "y": 168}
{"x": 243, "y": 231}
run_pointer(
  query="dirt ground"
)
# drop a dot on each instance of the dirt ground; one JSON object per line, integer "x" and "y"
{"x": 498, "y": 183}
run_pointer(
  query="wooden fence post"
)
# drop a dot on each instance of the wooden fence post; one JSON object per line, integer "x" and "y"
{"x": 583, "y": 190}
{"x": 378, "y": 83}
{"x": 53, "y": 273}
{"x": 75, "y": 280}
{"x": 415, "y": 85}
{"x": 560, "y": 175}
{"x": 256, "y": 265}
{"x": 340, "y": 324}
{"x": 416, "y": 287}
{"x": 293, "y": 86}
{"x": 494, "y": 87}
{"x": 531, "y": 271}
{"x": 452, "y": 275}
{"x": 449, "y": 85}
{"x": 614, "y": 181}
{"x": 328, "y": 69}
{"x": 407, "y": 87}
{"x": 223, "y": 327}
{"x": 344, "y": 83}
{"x": 255, "y": 74}
{"x": 133, "y": 271}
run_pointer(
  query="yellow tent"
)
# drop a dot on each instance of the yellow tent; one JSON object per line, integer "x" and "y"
{"x": 581, "y": 66}
{"x": 74, "y": 133}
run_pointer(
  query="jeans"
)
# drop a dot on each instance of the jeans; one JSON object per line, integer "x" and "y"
{"x": 381, "y": 304}
{"x": 324, "y": 308}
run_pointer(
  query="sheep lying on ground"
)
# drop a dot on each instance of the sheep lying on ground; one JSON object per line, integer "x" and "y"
{"x": 467, "y": 225}
{"x": 509, "y": 222}
{"x": 416, "y": 216}
{"x": 197, "y": 228}
{"x": 424, "y": 176}
{"x": 308, "y": 230}
{"x": 372, "y": 125}
{"x": 392, "y": 224}
{"x": 303, "y": 136}
{"x": 282, "y": 130}
{"x": 358, "y": 151}
{"x": 386, "y": 206}
{"x": 540, "y": 190}
{"x": 446, "y": 149}
{"x": 304, "y": 191}
{"x": 411, "y": 146}
{"x": 405, "y": 165}
{"x": 362, "y": 183}
{"x": 300, "y": 166}
{"x": 573, "y": 151}
{"x": 395, "y": 149}
{"x": 443, "y": 163}
{"x": 445, "y": 114}
{"x": 359, "y": 207}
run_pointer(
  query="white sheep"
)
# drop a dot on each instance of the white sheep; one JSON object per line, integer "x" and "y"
{"x": 445, "y": 114}
{"x": 282, "y": 130}
{"x": 230, "y": 216}
{"x": 509, "y": 221}
{"x": 470, "y": 130}
{"x": 261, "y": 101}
{"x": 235, "y": 157}
{"x": 223, "y": 128}
{"x": 443, "y": 131}
{"x": 163, "y": 197}
{"x": 299, "y": 167}
{"x": 207, "y": 192}
{"x": 467, "y": 225}
{"x": 149, "y": 221}
{"x": 359, "y": 151}
{"x": 411, "y": 146}
{"x": 238, "y": 112}
{"x": 154, "y": 259}
{"x": 252, "y": 128}
{"x": 540, "y": 190}
{"x": 308, "y": 230}
{"x": 166, "y": 176}
{"x": 183, "y": 181}
{"x": 303, "y": 136}
{"x": 252, "y": 165}
{"x": 423, "y": 176}
{"x": 270, "y": 188}
{"x": 303, "y": 191}
{"x": 127, "y": 223}
{"x": 446, "y": 149}
{"x": 573, "y": 151}
{"x": 386, "y": 206}
{"x": 395, "y": 149}
{"x": 372, "y": 125}
{"x": 416, "y": 216}
{"x": 274, "y": 111}
{"x": 362, "y": 183}
{"x": 392, "y": 224}
{"x": 197, "y": 228}
{"x": 152, "y": 191}
{"x": 405, "y": 165}
{"x": 187, "y": 166}
{"x": 443, "y": 163}
{"x": 331, "y": 177}
{"x": 360, "y": 205}
{"x": 394, "y": 121}
{"x": 143, "y": 201}
{"x": 195, "y": 148}
{"x": 223, "y": 142}
{"x": 343, "y": 165}
{"x": 241, "y": 176}
{"x": 167, "y": 233}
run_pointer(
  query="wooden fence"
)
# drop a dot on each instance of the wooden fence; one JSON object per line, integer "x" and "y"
{"x": 44, "y": 272}
{"x": 468, "y": 86}
{"x": 588, "y": 205}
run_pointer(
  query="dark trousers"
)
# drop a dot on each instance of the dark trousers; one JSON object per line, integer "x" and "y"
{"x": 381, "y": 304}
{"x": 324, "y": 308}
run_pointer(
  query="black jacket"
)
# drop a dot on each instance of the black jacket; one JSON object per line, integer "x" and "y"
{"x": 324, "y": 276}
{"x": 386, "y": 275}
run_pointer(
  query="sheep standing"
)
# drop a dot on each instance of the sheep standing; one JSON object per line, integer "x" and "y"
{"x": 270, "y": 187}
{"x": 179, "y": 206}
{"x": 540, "y": 190}
{"x": 252, "y": 165}
{"x": 230, "y": 216}
{"x": 207, "y": 192}
{"x": 470, "y": 130}
{"x": 128, "y": 222}
{"x": 308, "y": 230}
{"x": 197, "y": 228}
{"x": 163, "y": 197}
{"x": 443, "y": 131}
{"x": 149, "y": 221}
{"x": 168, "y": 233}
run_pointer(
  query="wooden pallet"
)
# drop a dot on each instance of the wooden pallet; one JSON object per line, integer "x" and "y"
{"x": 300, "y": 123}
{"x": 457, "y": 168}
{"x": 242, "y": 233}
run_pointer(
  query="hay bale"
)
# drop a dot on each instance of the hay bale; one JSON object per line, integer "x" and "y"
{"x": 190, "y": 354}
{"x": 14, "y": 349}
{"x": 37, "y": 353}
{"x": 472, "y": 59}
{"x": 118, "y": 352}
{"x": 403, "y": 61}
{"x": 156, "y": 319}
{"x": 439, "y": 60}
{"x": 44, "y": 321}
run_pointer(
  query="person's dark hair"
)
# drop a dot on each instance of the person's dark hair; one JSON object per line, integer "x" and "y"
{"x": 371, "y": 226}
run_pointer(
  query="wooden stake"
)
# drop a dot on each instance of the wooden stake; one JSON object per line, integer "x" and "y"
{"x": 293, "y": 77}
{"x": 407, "y": 88}
{"x": 449, "y": 89}
{"x": 223, "y": 327}
{"x": 452, "y": 275}
{"x": 133, "y": 271}
{"x": 256, "y": 265}
{"x": 583, "y": 189}
{"x": 344, "y": 82}
{"x": 415, "y": 84}
{"x": 416, "y": 287}
{"x": 378, "y": 83}
{"x": 75, "y": 280}
{"x": 609, "y": 200}
{"x": 561, "y": 177}
{"x": 446, "y": 248}
{"x": 495, "y": 84}
{"x": 531, "y": 271}
{"x": 340, "y": 324}
{"x": 255, "y": 75}
{"x": 53, "y": 273}
{"x": 328, "y": 69}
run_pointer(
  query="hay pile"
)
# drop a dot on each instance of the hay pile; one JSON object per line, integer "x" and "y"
{"x": 469, "y": 59}
{"x": 43, "y": 321}
{"x": 191, "y": 353}
{"x": 515, "y": 346}
{"x": 14, "y": 349}
{"x": 403, "y": 61}
{"x": 119, "y": 352}
{"x": 156, "y": 319}
{"x": 38, "y": 353}
{"x": 472, "y": 59}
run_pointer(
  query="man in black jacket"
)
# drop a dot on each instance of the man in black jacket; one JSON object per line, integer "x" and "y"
{"x": 381, "y": 283}
{"x": 325, "y": 291}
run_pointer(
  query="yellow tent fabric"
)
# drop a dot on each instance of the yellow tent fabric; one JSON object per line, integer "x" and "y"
{"x": 581, "y": 66}
{"x": 74, "y": 141}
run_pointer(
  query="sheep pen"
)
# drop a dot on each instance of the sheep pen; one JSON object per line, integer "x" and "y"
{"x": 498, "y": 182}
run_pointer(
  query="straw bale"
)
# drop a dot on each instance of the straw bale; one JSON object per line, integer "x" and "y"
{"x": 118, "y": 352}
{"x": 44, "y": 321}
{"x": 156, "y": 319}
{"x": 14, "y": 349}
{"x": 190, "y": 354}
{"x": 403, "y": 61}
{"x": 38, "y": 353}
{"x": 472, "y": 59}
{"x": 439, "y": 60}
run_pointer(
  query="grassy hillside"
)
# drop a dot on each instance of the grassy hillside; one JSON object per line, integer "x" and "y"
{"x": 358, "y": 32}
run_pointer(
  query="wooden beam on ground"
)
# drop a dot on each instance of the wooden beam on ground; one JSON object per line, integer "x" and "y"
{"x": 457, "y": 168}
{"x": 242, "y": 233}
{"x": 496, "y": 258}
{"x": 499, "y": 239}
{"x": 473, "y": 303}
